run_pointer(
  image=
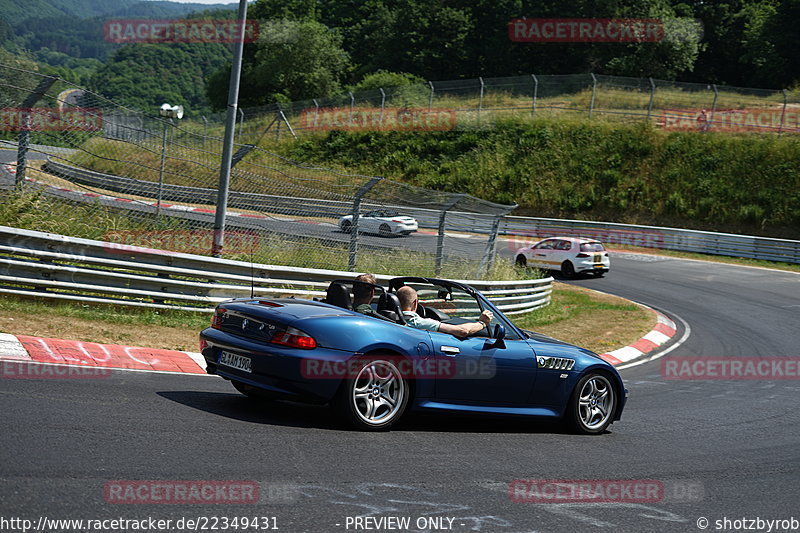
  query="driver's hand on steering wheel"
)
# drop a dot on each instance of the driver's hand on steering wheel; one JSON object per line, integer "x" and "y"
{"x": 486, "y": 317}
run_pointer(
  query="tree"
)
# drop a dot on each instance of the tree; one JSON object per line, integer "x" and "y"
{"x": 292, "y": 60}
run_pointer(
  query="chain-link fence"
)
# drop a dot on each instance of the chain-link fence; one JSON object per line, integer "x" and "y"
{"x": 475, "y": 102}
{"x": 102, "y": 171}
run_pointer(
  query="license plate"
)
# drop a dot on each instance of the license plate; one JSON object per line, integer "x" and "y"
{"x": 598, "y": 266}
{"x": 239, "y": 362}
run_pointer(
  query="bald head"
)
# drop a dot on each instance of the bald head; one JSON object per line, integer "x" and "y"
{"x": 408, "y": 298}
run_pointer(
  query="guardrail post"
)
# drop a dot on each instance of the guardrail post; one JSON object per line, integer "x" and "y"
{"x": 652, "y": 94}
{"x": 351, "y": 262}
{"x": 594, "y": 91}
{"x": 783, "y": 113}
{"x": 535, "y": 93}
{"x": 480, "y": 100}
{"x": 430, "y": 98}
{"x": 23, "y": 141}
{"x": 440, "y": 234}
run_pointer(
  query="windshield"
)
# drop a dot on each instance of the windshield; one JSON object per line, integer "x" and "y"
{"x": 592, "y": 247}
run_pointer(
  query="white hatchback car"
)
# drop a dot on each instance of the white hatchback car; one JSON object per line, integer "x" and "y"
{"x": 568, "y": 255}
{"x": 384, "y": 222}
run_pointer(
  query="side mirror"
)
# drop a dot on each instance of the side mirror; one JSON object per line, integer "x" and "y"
{"x": 498, "y": 336}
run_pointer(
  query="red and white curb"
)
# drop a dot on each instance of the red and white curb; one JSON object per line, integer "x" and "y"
{"x": 664, "y": 330}
{"x": 11, "y": 169}
{"x": 26, "y": 349}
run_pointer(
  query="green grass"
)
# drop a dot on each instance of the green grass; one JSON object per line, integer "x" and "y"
{"x": 110, "y": 314}
{"x": 571, "y": 305}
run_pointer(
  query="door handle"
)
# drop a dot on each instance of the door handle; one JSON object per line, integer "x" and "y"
{"x": 451, "y": 351}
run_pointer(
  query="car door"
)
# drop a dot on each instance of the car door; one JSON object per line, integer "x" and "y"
{"x": 479, "y": 370}
{"x": 540, "y": 254}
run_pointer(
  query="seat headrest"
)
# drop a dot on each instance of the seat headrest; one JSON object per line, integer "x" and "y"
{"x": 339, "y": 296}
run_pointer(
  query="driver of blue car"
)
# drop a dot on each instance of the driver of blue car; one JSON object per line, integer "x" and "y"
{"x": 409, "y": 302}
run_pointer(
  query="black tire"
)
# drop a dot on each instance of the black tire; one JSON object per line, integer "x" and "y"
{"x": 567, "y": 270}
{"x": 356, "y": 399}
{"x": 592, "y": 404}
{"x": 384, "y": 230}
{"x": 521, "y": 261}
{"x": 250, "y": 391}
{"x": 347, "y": 227}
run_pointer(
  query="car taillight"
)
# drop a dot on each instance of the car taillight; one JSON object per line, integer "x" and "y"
{"x": 294, "y": 338}
{"x": 216, "y": 319}
{"x": 398, "y": 220}
{"x": 582, "y": 255}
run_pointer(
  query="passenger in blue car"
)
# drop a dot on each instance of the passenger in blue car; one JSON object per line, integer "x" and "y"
{"x": 409, "y": 302}
{"x": 363, "y": 294}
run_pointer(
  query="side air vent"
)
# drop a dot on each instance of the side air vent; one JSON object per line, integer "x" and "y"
{"x": 556, "y": 363}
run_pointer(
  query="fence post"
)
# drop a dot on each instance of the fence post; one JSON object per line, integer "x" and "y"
{"x": 351, "y": 262}
{"x": 489, "y": 254}
{"x": 440, "y": 235}
{"x": 352, "y": 102}
{"x": 594, "y": 90}
{"x": 480, "y": 100}
{"x": 652, "y": 94}
{"x": 710, "y": 123}
{"x": 535, "y": 92}
{"x": 316, "y": 112}
{"x": 783, "y": 113}
{"x": 430, "y": 97}
{"x": 205, "y": 131}
{"x": 161, "y": 169}
{"x": 383, "y": 103}
{"x": 241, "y": 125}
{"x": 23, "y": 141}
{"x": 278, "y": 125}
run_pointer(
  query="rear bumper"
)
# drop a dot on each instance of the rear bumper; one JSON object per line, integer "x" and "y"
{"x": 285, "y": 372}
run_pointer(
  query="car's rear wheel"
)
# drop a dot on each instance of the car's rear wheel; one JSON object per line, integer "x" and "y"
{"x": 251, "y": 391}
{"x": 346, "y": 226}
{"x": 376, "y": 396}
{"x": 522, "y": 261}
{"x": 567, "y": 269}
{"x": 384, "y": 230}
{"x": 592, "y": 405}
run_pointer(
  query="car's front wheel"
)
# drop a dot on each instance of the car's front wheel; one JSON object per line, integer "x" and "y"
{"x": 522, "y": 261}
{"x": 346, "y": 226}
{"x": 592, "y": 405}
{"x": 375, "y": 397}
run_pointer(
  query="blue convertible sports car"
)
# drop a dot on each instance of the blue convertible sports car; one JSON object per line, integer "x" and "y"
{"x": 372, "y": 367}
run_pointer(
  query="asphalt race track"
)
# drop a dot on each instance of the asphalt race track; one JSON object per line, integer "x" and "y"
{"x": 720, "y": 449}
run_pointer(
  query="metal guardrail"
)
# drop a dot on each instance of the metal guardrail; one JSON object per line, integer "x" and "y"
{"x": 523, "y": 228}
{"x": 59, "y": 267}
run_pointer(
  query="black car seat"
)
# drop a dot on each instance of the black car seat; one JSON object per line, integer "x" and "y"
{"x": 389, "y": 306}
{"x": 339, "y": 295}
